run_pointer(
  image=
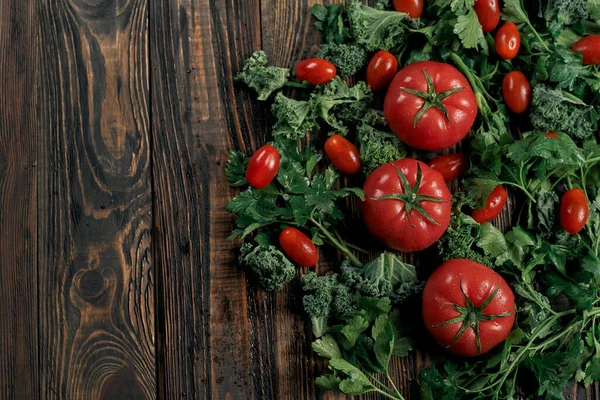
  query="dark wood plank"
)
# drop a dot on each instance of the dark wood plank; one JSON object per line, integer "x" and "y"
{"x": 205, "y": 343}
{"x": 96, "y": 281}
{"x": 18, "y": 198}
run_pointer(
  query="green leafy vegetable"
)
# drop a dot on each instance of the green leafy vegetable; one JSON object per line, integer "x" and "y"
{"x": 376, "y": 29}
{"x": 267, "y": 266}
{"x": 261, "y": 77}
{"x": 331, "y": 22}
{"x": 377, "y": 147}
{"x": 347, "y": 58}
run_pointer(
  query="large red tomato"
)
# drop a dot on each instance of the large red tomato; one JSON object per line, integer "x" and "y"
{"x": 430, "y": 105}
{"x": 467, "y": 307}
{"x": 407, "y": 205}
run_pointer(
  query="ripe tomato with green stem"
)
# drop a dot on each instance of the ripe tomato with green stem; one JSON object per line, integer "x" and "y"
{"x": 263, "y": 166}
{"x": 381, "y": 70}
{"x": 574, "y": 211}
{"x": 508, "y": 41}
{"x": 342, "y": 154}
{"x": 468, "y": 308}
{"x": 298, "y": 247}
{"x": 315, "y": 71}
{"x": 414, "y": 8}
{"x": 493, "y": 206}
{"x": 430, "y": 105}
{"x": 407, "y": 205}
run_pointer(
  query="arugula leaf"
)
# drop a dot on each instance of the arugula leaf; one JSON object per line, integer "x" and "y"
{"x": 236, "y": 169}
{"x": 469, "y": 29}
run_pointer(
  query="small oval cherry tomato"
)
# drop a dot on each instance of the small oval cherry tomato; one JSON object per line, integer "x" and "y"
{"x": 488, "y": 14}
{"x": 493, "y": 206}
{"x": 574, "y": 211}
{"x": 414, "y": 8}
{"x": 315, "y": 71}
{"x": 263, "y": 166}
{"x": 516, "y": 91}
{"x": 451, "y": 166}
{"x": 589, "y": 47}
{"x": 508, "y": 41}
{"x": 552, "y": 135}
{"x": 381, "y": 70}
{"x": 342, "y": 154}
{"x": 298, "y": 247}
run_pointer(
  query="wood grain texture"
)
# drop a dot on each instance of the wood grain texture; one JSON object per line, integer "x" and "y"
{"x": 18, "y": 197}
{"x": 96, "y": 282}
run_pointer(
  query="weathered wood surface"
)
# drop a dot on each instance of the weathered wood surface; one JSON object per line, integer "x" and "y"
{"x": 116, "y": 278}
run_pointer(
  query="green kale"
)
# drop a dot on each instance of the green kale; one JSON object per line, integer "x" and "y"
{"x": 326, "y": 297}
{"x": 567, "y": 12}
{"x": 332, "y": 22}
{"x": 347, "y": 58}
{"x": 554, "y": 110}
{"x": 295, "y": 118}
{"x": 460, "y": 240}
{"x": 383, "y": 4}
{"x": 267, "y": 266}
{"x": 261, "y": 77}
{"x": 377, "y": 147}
{"x": 376, "y": 29}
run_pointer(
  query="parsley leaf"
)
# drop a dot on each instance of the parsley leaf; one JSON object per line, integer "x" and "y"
{"x": 469, "y": 29}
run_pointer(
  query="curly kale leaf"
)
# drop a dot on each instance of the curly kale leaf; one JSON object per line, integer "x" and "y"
{"x": 376, "y": 29}
{"x": 347, "y": 58}
{"x": 295, "y": 118}
{"x": 377, "y": 147}
{"x": 261, "y": 77}
{"x": 267, "y": 266}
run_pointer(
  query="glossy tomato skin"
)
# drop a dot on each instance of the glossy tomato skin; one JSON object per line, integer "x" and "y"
{"x": 488, "y": 14}
{"x": 552, "y": 135}
{"x": 298, "y": 247}
{"x": 451, "y": 166}
{"x": 342, "y": 154}
{"x": 386, "y": 219}
{"x": 381, "y": 70}
{"x": 493, "y": 206}
{"x": 432, "y": 131}
{"x": 414, "y": 8}
{"x": 589, "y": 47}
{"x": 263, "y": 166}
{"x": 574, "y": 211}
{"x": 508, "y": 41}
{"x": 443, "y": 289}
{"x": 516, "y": 91}
{"x": 315, "y": 71}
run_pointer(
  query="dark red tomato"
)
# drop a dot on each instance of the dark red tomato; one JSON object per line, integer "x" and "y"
{"x": 488, "y": 14}
{"x": 574, "y": 211}
{"x": 468, "y": 328}
{"x": 315, "y": 71}
{"x": 451, "y": 166}
{"x": 342, "y": 154}
{"x": 381, "y": 69}
{"x": 589, "y": 47}
{"x": 552, "y": 135}
{"x": 414, "y": 8}
{"x": 493, "y": 206}
{"x": 298, "y": 247}
{"x": 430, "y": 105}
{"x": 263, "y": 166}
{"x": 407, "y": 206}
{"x": 508, "y": 41}
{"x": 516, "y": 91}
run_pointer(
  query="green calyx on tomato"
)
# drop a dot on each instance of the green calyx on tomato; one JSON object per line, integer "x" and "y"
{"x": 471, "y": 315}
{"x": 411, "y": 197}
{"x": 432, "y": 99}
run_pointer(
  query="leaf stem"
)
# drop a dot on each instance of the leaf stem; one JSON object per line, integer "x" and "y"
{"x": 395, "y": 396}
{"x": 387, "y": 375}
{"x": 340, "y": 246}
{"x": 300, "y": 85}
{"x": 350, "y": 245}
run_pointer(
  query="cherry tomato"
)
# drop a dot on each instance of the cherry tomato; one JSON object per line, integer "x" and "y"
{"x": 430, "y": 105}
{"x": 574, "y": 211}
{"x": 516, "y": 91}
{"x": 493, "y": 206}
{"x": 381, "y": 70}
{"x": 263, "y": 166}
{"x": 508, "y": 41}
{"x": 552, "y": 135}
{"x": 407, "y": 205}
{"x": 298, "y": 247}
{"x": 464, "y": 288}
{"x": 488, "y": 14}
{"x": 315, "y": 71}
{"x": 451, "y": 166}
{"x": 414, "y": 8}
{"x": 342, "y": 154}
{"x": 589, "y": 47}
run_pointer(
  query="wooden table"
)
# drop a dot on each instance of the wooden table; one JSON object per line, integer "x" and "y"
{"x": 116, "y": 281}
